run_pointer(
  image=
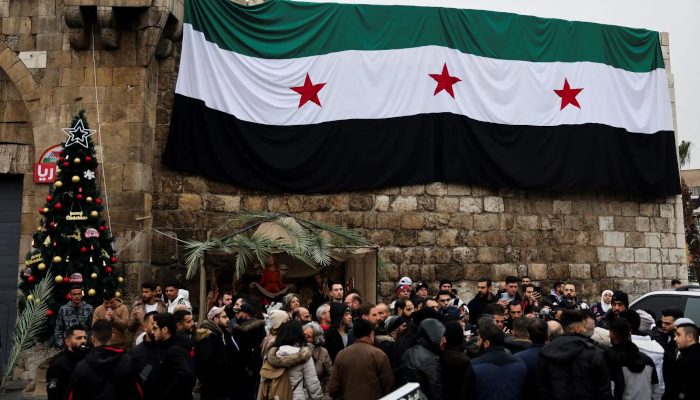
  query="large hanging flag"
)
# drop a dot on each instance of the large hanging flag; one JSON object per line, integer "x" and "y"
{"x": 319, "y": 97}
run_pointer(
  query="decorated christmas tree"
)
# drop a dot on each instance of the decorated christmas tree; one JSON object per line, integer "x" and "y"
{"x": 73, "y": 242}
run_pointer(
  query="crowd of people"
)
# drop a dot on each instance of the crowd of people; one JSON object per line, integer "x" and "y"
{"x": 508, "y": 342}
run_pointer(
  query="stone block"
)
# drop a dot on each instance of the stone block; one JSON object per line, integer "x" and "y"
{"x": 580, "y": 271}
{"x": 659, "y": 225}
{"x": 537, "y": 271}
{"x": 630, "y": 209}
{"x": 426, "y": 238}
{"x": 222, "y": 203}
{"x": 624, "y": 255}
{"x": 437, "y": 255}
{"x": 641, "y": 224}
{"x": 436, "y": 189}
{"x": 361, "y": 203}
{"x": 543, "y": 207}
{"x": 414, "y": 255}
{"x": 388, "y": 220}
{"x": 453, "y": 272}
{"x": 493, "y": 204}
{"x": 507, "y": 221}
{"x": 626, "y": 285}
{"x": 436, "y": 220}
{"x": 649, "y": 209}
{"x": 490, "y": 255}
{"x": 447, "y": 204}
{"x": 427, "y": 273}
{"x": 606, "y": 254}
{"x": 641, "y": 286}
{"x": 456, "y": 189}
{"x": 391, "y": 271}
{"x": 606, "y": 223}
{"x": 634, "y": 270}
{"x": 471, "y": 205}
{"x": 561, "y": 207}
{"x": 615, "y": 270}
{"x": 137, "y": 176}
{"x": 529, "y": 222}
{"x": 474, "y": 272}
{"x": 426, "y": 203}
{"x": 625, "y": 224}
{"x": 558, "y": 272}
{"x": 413, "y": 190}
{"x": 254, "y": 203}
{"x": 634, "y": 239}
{"x": 651, "y": 271}
{"x": 670, "y": 271}
{"x": 642, "y": 255}
{"x": 614, "y": 239}
{"x": 655, "y": 255}
{"x": 486, "y": 222}
{"x": 404, "y": 204}
{"x": 497, "y": 238}
{"x": 667, "y": 240}
{"x": 464, "y": 255}
{"x": 666, "y": 211}
{"x": 412, "y": 221}
{"x": 190, "y": 202}
{"x": 392, "y": 255}
{"x": 677, "y": 256}
{"x": 411, "y": 270}
{"x": 499, "y": 272}
{"x": 447, "y": 237}
{"x": 317, "y": 203}
{"x": 381, "y": 203}
{"x": 680, "y": 240}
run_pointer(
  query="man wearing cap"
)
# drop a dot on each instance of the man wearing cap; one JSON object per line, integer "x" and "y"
{"x": 395, "y": 325}
{"x": 337, "y": 338}
{"x": 685, "y": 371}
{"x": 248, "y": 334}
{"x": 402, "y": 292}
{"x": 620, "y": 302}
{"x": 213, "y": 350}
{"x": 361, "y": 371}
{"x": 422, "y": 290}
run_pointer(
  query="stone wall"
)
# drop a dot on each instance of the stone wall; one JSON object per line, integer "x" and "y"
{"x": 596, "y": 238}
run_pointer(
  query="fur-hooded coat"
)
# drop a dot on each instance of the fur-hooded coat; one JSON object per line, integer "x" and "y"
{"x": 300, "y": 368}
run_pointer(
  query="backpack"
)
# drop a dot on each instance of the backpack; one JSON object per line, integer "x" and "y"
{"x": 275, "y": 384}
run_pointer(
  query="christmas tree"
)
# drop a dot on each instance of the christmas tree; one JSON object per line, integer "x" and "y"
{"x": 73, "y": 242}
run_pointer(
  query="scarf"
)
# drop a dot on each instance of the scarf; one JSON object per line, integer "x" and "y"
{"x": 555, "y": 295}
{"x": 604, "y": 306}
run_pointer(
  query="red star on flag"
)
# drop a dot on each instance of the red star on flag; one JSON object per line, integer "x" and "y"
{"x": 568, "y": 95}
{"x": 309, "y": 91}
{"x": 445, "y": 81}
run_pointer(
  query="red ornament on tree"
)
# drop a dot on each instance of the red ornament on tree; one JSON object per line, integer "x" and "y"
{"x": 30, "y": 279}
{"x": 66, "y": 164}
{"x": 113, "y": 260}
{"x": 106, "y": 227}
{"x": 49, "y": 313}
{"x": 52, "y": 224}
{"x": 49, "y": 199}
{"x": 107, "y": 270}
{"x": 98, "y": 201}
{"x": 68, "y": 296}
{"x": 34, "y": 245}
{"x": 61, "y": 158}
{"x": 58, "y": 206}
{"x": 88, "y": 158}
{"x": 102, "y": 229}
{"x": 41, "y": 211}
{"x": 79, "y": 197}
{"x": 83, "y": 250}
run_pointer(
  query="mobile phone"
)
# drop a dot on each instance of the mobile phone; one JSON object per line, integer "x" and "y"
{"x": 538, "y": 289}
{"x": 504, "y": 296}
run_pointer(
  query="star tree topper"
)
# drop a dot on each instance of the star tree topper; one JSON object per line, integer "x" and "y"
{"x": 78, "y": 134}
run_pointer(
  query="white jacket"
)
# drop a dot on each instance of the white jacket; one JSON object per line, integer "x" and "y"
{"x": 182, "y": 296}
{"x": 301, "y": 371}
{"x": 656, "y": 353}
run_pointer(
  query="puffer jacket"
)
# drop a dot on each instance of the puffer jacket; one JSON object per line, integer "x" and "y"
{"x": 572, "y": 367}
{"x": 633, "y": 373}
{"x": 422, "y": 362}
{"x": 324, "y": 366}
{"x": 181, "y": 298}
{"x": 654, "y": 351}
{"x": 300, "y": 369}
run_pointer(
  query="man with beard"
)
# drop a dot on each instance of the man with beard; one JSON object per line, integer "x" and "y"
{"x": 146, "y": 356}
{"x": 620, "y": 302}
{"x": 669, "y": 317}
{"x": 248, "y": 335}
{"x": 557, "y": 294}
{"x": 184, "y": 321}
{"x": 149, "y": 303}
{"x": 175, "y": 297}
{"x": 524, "y": 281}
{"x": 570, "y": 294}
{"x": 404, "y": 308}
{"x": 60, "y": 370}
{"x": 395, "y": 326}
{"x": 159, "y": 292}
{"x": 478, "y": 304}
{"x": 382, "y": 315}
{"x": 213, "y": 355}
{"x": 174, "y": 378}
{"x": 369, "y": 312}
{"x": 337, "y": 292}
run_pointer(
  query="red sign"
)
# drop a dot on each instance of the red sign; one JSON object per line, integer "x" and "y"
{"x": 75, "y": 278}
{"x": 45, "y": 172}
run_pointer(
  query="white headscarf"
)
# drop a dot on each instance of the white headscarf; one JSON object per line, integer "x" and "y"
{"x": 604, "y": 306}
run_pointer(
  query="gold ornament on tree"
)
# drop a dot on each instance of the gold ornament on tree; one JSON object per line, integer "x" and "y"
{"x": 57, "y": 259}
{"x": 30, "y": 297}
{"x": 94, "y": 214}
{"x": 75, "y": 179}
{"x": 76, "y": 161}
{"x": 117, "y": 294}
{"x": 37, "y": 301}
{"x": 89, "y": 199}
{"x": 120, "y": 280}
{"x": 58, "y": 279}
{"x": 93, "y": 276}
{"x": 91, "y": 292}
{"x": 41, "y": 266}
{"x": 58, "y": 184}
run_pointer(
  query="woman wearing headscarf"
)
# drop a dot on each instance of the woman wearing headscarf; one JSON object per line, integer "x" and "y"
{"x": 604, "y": 305}
{"x": 322, "y": 361}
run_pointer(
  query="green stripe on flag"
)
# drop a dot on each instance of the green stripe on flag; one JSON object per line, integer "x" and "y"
{"x": 281, "y": 29}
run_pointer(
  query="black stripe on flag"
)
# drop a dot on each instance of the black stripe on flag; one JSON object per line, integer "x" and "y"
{"x": 366, "y": 154}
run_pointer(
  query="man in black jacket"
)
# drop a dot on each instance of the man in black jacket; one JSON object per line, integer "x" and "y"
{"x": 106, "y": 372}
{"x": 421, "y": 363}
{"x": 478, "y": 304}
{"x": 174, "y": 376}
{"x": 248, "y": 334}
{"x": 212, "y": 355}
{"x": 146, "y": 357}
{"x": 571, "y": 366}
{"x": 338, "y": 337}
{"x": 454, "y": 363}
{"x": 60, "y": 370}
{"x": 685, "y": 369}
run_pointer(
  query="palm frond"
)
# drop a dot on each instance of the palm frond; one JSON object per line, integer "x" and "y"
{"x": 195, "y": 254}
{"x": 30, "y": 324}
{"x": 320, "y": 249}
{"x": 684, "y": 150}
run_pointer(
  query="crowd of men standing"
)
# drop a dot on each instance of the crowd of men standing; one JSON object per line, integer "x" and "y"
{"x": 513, "y": 343}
